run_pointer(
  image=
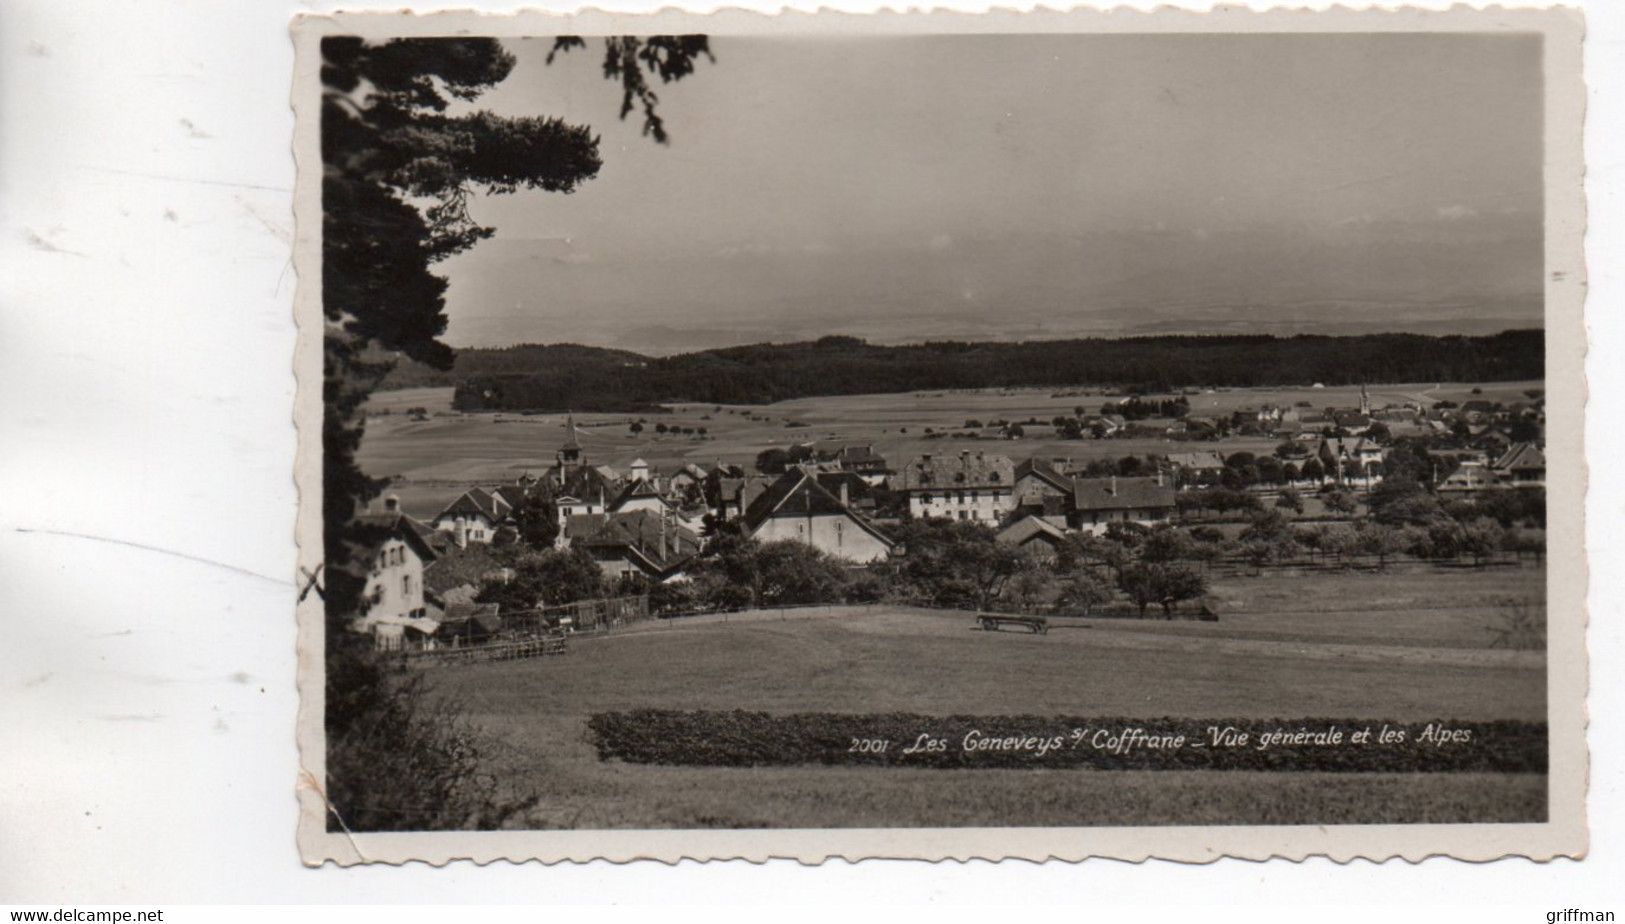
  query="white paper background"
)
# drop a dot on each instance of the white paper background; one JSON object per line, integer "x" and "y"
{"x": 146, "y": 510}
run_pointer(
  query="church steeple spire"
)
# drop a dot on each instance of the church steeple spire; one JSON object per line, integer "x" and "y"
{"x": 569, "y": 454}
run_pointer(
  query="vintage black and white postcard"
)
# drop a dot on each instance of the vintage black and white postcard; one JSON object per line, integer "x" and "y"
{"x": 1052, "y": 434}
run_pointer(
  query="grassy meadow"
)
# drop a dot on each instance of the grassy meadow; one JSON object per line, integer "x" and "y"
{"x": 1404, "y": 646}
{"x": 441, "y": 456}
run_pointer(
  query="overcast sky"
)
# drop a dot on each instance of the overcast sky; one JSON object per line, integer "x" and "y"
{"x": 1027, "y": 186}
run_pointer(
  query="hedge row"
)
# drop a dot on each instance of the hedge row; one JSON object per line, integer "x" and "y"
{"x": 740, "y": 738}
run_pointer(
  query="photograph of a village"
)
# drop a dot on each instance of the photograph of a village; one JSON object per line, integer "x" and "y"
{"x": 933, "y": 431}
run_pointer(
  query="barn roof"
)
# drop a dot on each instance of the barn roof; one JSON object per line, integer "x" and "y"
{"x": 1204, "y": 460}
{"x": 1521, "y": 457}
{"x": 1030, "y": 529}
{"x": 1121, "y": 494}
{"x": 798, "y": 494}
{"x": 461, "y": 566}
{"x": 642, "y": 534}
{"x": 966, "y": 470}
{"x": 1043, "y": 470}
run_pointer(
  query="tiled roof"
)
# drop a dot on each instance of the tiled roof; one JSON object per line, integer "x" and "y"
{"x": 795, "y": 494}
{"x": 965, "y": 470}
{"x": 860, "y": 455}
{"x": 1044, "y": 471}
{"x": 742, "y": 492}
{"x": 637, "y": 490}
{"x": 1199, "y": 461}
{"x": 1028, "y": 529}
{"x": 798, "y": 494}
{"x": 511, "y": 494}
{"x": 644, "y": 534}
{"x": 460, "y": 566}
{"x": 477, "y": 502}
{"x": 856, "y": 488}
{"x": 1121, "y": 494}
{"x": 483, "y": 615}
{"x": 588, "y": 484}
{"x": 1521, "y": 457}
{"x": 404, "y": 527}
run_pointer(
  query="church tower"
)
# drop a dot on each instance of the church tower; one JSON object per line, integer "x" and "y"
{"x": 1365, "y": 401}
{"x": 569, "y": 455}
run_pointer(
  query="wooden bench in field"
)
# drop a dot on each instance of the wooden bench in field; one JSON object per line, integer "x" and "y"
{"x": 992, "y": 622}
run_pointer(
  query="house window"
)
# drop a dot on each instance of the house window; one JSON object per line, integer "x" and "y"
{"x": 406, "y": 585}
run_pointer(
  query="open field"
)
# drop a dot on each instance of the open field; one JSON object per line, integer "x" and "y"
{"x": 449, "y": 451}
{"x": 1403, "y": 647}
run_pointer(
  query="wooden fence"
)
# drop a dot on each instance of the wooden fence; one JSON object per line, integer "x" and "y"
{"x": 582, "y": 616}
{"x": 506, "y": 650}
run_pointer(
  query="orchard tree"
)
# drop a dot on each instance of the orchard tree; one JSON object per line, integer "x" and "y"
{"x": 1291, "y": 500}
{"x": 1083, "y": 589}
{"x": 1339, "y": 501}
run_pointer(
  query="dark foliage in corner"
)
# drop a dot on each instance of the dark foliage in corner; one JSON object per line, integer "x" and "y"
{"x": 398, "y": 178}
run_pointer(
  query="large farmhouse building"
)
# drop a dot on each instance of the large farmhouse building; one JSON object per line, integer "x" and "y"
{"x": 798, "y": 507}
{"x": 968, "y": 486}
{"x": 1099, "y": 502}
{"x": 1043, "y": 491}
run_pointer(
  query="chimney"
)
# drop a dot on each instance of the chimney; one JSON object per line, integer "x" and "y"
{"x": 1114, "y": 486}
{"x": 392, "y": 504}
{"x": 844, "y": 501}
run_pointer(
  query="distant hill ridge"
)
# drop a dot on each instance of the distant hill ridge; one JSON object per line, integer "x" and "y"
{"x": 559, "y": 376}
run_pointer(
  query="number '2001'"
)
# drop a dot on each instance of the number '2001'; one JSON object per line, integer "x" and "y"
{"x": 868, "y": 746}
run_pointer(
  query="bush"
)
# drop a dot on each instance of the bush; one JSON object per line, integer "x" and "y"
{"x": 397, "y": 762}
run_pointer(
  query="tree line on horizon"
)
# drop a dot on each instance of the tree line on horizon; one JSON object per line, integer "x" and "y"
{"x": 567, "y": 376}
